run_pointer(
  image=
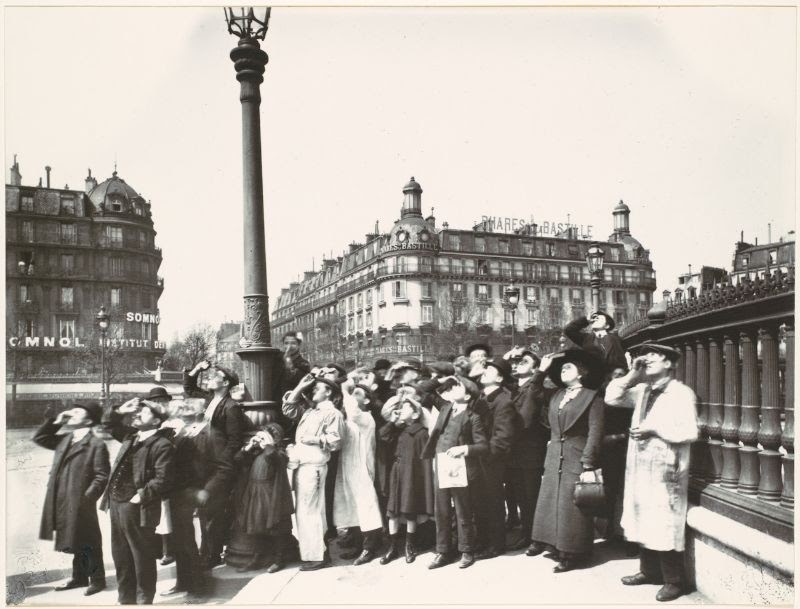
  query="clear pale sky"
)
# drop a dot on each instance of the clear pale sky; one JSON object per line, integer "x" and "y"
{"x": 687, "y": 114}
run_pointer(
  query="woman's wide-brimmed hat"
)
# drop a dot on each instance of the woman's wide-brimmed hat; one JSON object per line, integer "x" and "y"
{"x": 584, "y": 357}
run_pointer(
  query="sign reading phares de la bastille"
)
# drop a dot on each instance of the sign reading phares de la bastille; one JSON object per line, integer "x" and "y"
{"x": 503, "y": 224}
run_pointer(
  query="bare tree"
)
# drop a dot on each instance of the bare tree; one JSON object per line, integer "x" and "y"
{"x": 198, "y": 344}
{"x": 119, "y": 359}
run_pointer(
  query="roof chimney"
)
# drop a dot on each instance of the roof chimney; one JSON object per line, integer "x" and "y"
{"x": 14, "y": 177}
{"x": 47, "y": 169}
{"x": 90, "y": 182}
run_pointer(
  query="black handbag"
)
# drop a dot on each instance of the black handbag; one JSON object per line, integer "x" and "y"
{"x": 590, "y": 497}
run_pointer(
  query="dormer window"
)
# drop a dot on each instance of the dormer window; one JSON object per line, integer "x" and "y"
{"x": 68, "y": 206}
{"x": 115, "y": 205}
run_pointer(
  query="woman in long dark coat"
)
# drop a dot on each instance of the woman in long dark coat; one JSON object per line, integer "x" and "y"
{"x": 264, "y": 497}
{"x": 77, "y": 480}
{"x": 574, "y": 414}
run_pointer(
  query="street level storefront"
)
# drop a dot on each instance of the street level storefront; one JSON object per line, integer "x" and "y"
{"x": 27, "y": 402}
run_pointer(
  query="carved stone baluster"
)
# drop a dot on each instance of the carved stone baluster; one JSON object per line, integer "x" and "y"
{"x": 715, "y": 412}
{"x": 730, "y": 425}
{"x": 699, "y": 463}
{"x": 748, "y": 428}
{"x": 689, "y": 368}
{"x": 769, "y": 434}
{"x": 680, "y": 372}
{"x": 787, "y": 439}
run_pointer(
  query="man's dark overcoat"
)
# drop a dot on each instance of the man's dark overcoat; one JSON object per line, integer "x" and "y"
{"x": 77, "y": 480}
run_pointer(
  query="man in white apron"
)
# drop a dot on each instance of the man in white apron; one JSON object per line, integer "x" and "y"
{"x": 319, "y": 432}
{"x": 664, "y": 425}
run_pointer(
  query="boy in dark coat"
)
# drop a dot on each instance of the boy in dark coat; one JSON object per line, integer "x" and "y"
{"x": 459, "y": 432}
{"x": 142, "y": 476}
{"x": 411, "y": 496}
{"x": 77, "y": 480}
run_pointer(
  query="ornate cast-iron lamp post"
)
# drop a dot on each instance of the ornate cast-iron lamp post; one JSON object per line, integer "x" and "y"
{"x": 262, "y": 362}
{"x": 512, "y": 299}
{"x": 102, "y": 324}
{"x": 594, "y": 260}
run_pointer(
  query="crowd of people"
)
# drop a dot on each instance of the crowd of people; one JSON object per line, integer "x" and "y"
{"x": 472, "y": 458}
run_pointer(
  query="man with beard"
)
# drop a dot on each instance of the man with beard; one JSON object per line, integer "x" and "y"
{"x": 225, "y": 424}
{"x": 319, "y": 432}
{"x": 77, "y": 480}
{"x": 143, "y": 475}
{"x": 526, "y": 463}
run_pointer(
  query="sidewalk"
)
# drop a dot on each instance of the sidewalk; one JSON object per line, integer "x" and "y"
{"x": 510, "y": 579}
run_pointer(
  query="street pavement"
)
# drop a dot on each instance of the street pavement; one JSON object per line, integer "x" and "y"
{"x": 33, "y": 568}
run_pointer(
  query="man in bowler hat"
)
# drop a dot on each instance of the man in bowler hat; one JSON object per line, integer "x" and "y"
{"x": 77, "y": 479}
{"x": 142, "y": 476}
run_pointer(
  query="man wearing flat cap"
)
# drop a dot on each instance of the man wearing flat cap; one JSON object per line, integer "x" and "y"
{"x": 142, "y": 476}
{"x": 77, "y": 479}
{"x": 319, "y": 432}
{"x": 225, "y": 425}
{"x": 657, "y": 473}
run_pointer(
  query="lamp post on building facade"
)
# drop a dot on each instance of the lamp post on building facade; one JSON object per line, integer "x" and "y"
{"x": 102, "y": 324}
{"x": 594, "y": 261}
{"x": 261, "y": 360}
{"x": 512, "y": 299}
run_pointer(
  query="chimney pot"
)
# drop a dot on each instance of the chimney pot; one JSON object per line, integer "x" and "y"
{"x": 48, "y": 169}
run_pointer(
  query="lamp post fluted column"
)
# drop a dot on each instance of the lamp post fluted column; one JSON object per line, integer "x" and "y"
{"x": 261, "y": 360}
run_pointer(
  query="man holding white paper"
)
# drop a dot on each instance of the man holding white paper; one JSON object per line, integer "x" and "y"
{"x": 458, "y": 434}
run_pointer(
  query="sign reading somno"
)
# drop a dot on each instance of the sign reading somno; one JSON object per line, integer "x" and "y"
{"x": 147, "y": 318}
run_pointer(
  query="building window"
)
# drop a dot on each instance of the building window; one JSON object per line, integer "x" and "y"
{"x": 360, "y": 318}
{"x": 369, "y": 298}
{"x": 427, "y": 313}
{"x": 458, "y": 314}
{"x": 68, "y": 206}
{"x": 619, "y": 298}
{"x": 115, "y": 267}
{"x": 142, "y": 239}
{"x": 116, "y": 297}
{"x": 138, "y": 209}
{"x": 425, "y": 264}
{"x": 67, "y": 263}
{"x": 24, "y": 293}
{"x": 66, "y": 328}
{"x": 359, "y": 302}
{"x": 533, "y": 316}
{"x": 550, "y": 249}
{"x": 116, "y": 205}
{"x": 554, "y": 294}
{"x": 508, "y": 316}
{"x": 27, "y": 231}
{"x": 531, "y": 294}
{"x": 379, "y": 290}
{"x": 114, "y": 236}
{"x": 480, "y": 244}
{"x": 427, "y": 289}
{"x": 25, "y": 327}
{"x": 69, "y": 234}
{"x": 644, "y": 299}
{"x": 502, "y": 246}
{"x": 505, "y": 268}
{"x": 399, "y": 289}
{"x": 482, "y": 291}
{"x": 67, "y": 297}
{"x": 456, "y": 266}
{"x": 26, "y": 203}
{"x": 773, "y": 256}
{"x": 457, "y": 290}
{"x": 577, "y": 297}
{"x": 454, "y": 242}
{"x": 527, "y": 248}
{"x": 145, "y": 268}
{"x": 745, "y": 261}
{"x": 574, "y": 273}
{"x": 402, "y": 340}
{"x": 483, "y": 267}
{"x": 483, "y": 316}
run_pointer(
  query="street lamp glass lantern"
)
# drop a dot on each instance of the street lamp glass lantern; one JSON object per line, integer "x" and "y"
{"x": 102, "y": 318}
{"x": 250, "y": 22}
{"x": 594, "y": 259}
{"x": 512, "y": 294}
